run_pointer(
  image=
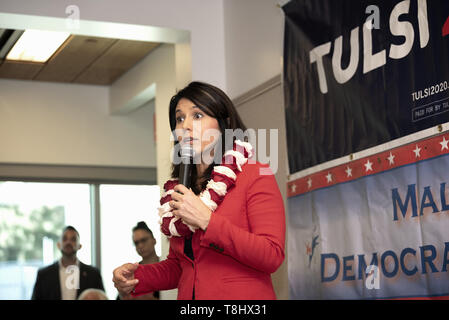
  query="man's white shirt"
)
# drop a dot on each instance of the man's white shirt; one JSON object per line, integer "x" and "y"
{"x": 69, "y": 278}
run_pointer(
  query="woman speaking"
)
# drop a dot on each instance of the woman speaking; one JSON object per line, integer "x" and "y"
{"x": 227, "y": 229}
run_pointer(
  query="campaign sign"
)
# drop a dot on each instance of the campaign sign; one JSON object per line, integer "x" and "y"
{"x": 373, "y": 228}
{"x": 361, "y": 73}
{"x": 367, "y": 100}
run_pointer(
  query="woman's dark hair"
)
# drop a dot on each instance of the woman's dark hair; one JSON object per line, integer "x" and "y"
{"x": 215, "y": 103}
{"x": 142, "y": 226}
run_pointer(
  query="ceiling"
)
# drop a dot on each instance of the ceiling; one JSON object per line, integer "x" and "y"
{"x": 81, "y": 59}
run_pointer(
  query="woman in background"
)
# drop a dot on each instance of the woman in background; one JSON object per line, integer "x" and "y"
{"x": 144, "y": 242}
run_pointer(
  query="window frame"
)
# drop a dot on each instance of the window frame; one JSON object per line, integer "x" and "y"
{"x": 94, "y": 176}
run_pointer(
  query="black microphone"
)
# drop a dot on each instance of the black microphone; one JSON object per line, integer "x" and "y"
{"x": 185, "y": 169}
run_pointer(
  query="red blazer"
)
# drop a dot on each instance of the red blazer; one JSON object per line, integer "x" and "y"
{"x": 234, "y": 258}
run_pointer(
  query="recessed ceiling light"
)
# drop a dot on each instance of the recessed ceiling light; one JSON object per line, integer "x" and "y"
{"x": 37, "y": 45}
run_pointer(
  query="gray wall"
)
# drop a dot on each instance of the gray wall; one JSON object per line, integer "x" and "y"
{"x": 263, "y": 108}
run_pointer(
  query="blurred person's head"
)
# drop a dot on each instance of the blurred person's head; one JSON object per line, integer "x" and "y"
{"x": 69, "y": 243}
{"x": 93, "y": 294}
{"x": 144, "y": 240}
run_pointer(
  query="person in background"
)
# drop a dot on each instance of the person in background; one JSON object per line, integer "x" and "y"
{"x": 144, "y": 242}
{"x": 93, "y": 294}
{"x": 68, "y": 277}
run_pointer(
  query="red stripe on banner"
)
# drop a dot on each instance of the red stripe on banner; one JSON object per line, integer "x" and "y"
{"x": 401, "y": 156}
{"x": 446, "y": 28}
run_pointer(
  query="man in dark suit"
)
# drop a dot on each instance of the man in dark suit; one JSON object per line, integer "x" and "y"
{"x": 68, "y": 277}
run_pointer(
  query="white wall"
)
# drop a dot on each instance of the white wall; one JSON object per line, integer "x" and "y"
{"x": 52, "y": 123}
{"x": 253, "y": 43}
{"x": 254, "y": 49}
{"x": 270, "y": 100}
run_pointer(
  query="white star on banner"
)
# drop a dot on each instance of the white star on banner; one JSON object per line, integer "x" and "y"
{"x": 391, "y": 159}
{"x": 309, "y": 183}
{"x": 329, "y": 177}
{"x": 348, "y": 172}
{"x": 293, "y": 188}
{"x": 368, "y": 166}
{"x": 444, "y": 144}
{"x": 417, "y": 152}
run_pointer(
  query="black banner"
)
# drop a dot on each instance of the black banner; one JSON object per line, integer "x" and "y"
{"x": 361, "y": 73}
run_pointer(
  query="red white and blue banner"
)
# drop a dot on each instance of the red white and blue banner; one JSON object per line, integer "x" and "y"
{"x": 367, "y": 100}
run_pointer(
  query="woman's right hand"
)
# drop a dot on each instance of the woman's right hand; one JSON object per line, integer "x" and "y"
{"x": 123, "y": 278}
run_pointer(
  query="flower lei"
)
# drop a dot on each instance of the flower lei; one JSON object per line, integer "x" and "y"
{"x": 223, "y": 179}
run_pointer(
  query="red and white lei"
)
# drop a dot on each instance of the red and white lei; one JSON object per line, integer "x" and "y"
{"x": 222, "y": 180}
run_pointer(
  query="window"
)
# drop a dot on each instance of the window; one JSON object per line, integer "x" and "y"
{"x": 122, "y": 206}
{"x": 33, "y": 215}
